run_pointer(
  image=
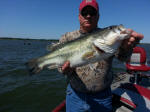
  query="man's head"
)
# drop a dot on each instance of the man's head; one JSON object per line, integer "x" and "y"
{"x": 88, "y": 15}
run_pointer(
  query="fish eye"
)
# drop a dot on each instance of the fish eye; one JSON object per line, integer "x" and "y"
{"x": 120, "y": 27}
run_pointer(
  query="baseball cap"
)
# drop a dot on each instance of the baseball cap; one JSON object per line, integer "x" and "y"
{"x": 85, "y": 3}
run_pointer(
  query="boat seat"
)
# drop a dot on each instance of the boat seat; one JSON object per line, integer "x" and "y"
{"x": 137, "y": 61}
{"x": 123, "y": 109}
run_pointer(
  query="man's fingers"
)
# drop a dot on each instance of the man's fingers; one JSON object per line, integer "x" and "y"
{"x": 134, "y": 34}
{"x": 130, "y": 30}
{"x": 132, "y": 39}
{"x": 66, "y": 65}
{"x": 137, "y": 35}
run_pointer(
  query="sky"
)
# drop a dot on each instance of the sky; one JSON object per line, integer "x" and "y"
{"x": 49, "y": 19}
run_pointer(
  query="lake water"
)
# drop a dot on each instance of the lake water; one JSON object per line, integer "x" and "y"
{"x": 20, "y": 92}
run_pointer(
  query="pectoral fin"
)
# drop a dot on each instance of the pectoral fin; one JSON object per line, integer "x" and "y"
{"x": 98, "y": 49}
{"x": 88, "y": 55}
{"x": 53, "y": 46}
{"x": 52, "y": 66}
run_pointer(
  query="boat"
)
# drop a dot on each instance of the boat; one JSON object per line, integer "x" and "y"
{"x": 131, "y": 95}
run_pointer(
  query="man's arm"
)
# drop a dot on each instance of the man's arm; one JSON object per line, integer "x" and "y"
{"x": 127, "y": 45}
{"x": 124, "y": 54}
{"x": 65, "y": 69}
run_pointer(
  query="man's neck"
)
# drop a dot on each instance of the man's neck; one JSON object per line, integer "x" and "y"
{"x": 87, "y": 30}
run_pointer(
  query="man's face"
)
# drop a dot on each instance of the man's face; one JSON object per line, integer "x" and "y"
{"x": 88, "y": 18}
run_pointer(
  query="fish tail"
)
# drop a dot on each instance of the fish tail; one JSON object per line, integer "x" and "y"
{"x": 33, "y": 67}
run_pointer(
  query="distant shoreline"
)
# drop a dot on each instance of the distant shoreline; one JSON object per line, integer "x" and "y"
{"x": 52, "y": 40}
{"x": 9, "y": 38}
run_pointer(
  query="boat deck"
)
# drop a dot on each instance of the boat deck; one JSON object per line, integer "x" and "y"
{"x": 125, "y": 100}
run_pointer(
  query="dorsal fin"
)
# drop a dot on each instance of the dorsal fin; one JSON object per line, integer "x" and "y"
{"x": 53, "y": 46}
{"x": 60, "y": 45}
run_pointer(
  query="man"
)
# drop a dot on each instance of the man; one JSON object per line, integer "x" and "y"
{"x": 89, "y": 85}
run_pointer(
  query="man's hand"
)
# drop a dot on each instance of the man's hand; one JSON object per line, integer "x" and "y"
{"x": 66, "y": 68}
{"x": 133, "y": 40}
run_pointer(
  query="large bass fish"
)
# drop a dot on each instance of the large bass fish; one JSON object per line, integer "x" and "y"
{"x": 86, "y": 49}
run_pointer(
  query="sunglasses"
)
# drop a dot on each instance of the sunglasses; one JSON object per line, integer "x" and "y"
{"x": 92, "y": 13}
